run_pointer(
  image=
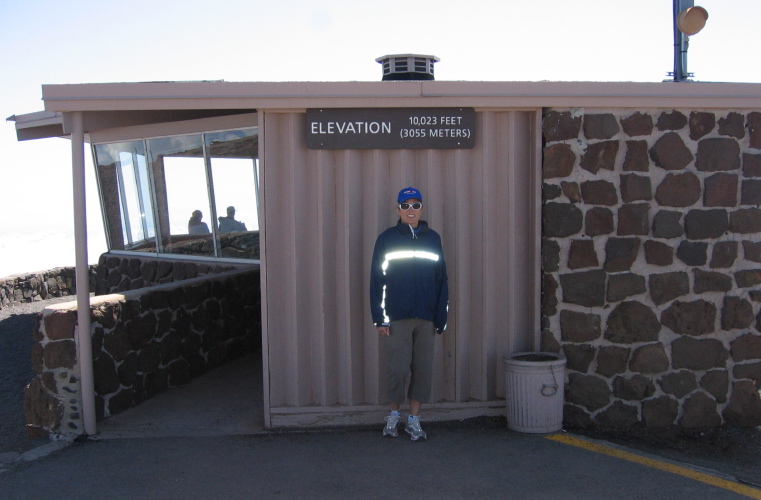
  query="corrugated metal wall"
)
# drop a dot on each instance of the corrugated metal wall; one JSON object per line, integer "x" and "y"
{"x": 323, "y": 210}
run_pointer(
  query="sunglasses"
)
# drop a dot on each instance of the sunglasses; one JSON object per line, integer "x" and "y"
{"x": 414, "y": 206}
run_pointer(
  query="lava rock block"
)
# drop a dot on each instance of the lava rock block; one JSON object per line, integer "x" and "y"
{"x": 708, "y": 281}
{"x": 635, "y": 188}
{"x": 621, "y": 286}
{"x": 637, "y": 124}
{"x": 690, "y": 318}
{"x": 561, "y": 220}
{"x": 600, "y": 155}
{"x": 585, "y": 288}
{"x": 693, "y": 253}
{"x": 598, "y": 221}
{"x": 751, "y": 165}
{"x": 724, "y": 254}
{"x": 560, "y": 126}
{"x": 736, "y": 313}
{"x": 582, "y": 254}
{"x": 559, "y": 160}
{"x": 634, "y": 220}
{"x": 746, "y": 347}
{"x": 658, "y": 253}
{"x": 706, "y": 224}
{"x": 620, "y": 254}
{"x": 732, "y": 125}
{"x": 579, "y": 326}
{"x": 632, "y": 322}
{"x": 701, "y": 123}
{"x": 720, "y": 190}
{"x": 670, "y": 153}
{"x": 700, "y": 411}
{"x": 660, "y": 412}
{"x": 588, "y": 391}
{"x": 678, "y": 190}
{"x": 696, "y": 354}
{"x": 600, "y": 126}
{"x": 637, "y": 158}
{"x": 679, "y": 383}
{"x": 667, "y": 224}
{"x": 673, "y": 120}
{"x": 612, "y": 360}
{"x": 599, "y": 193}
{"x": 718, "y": 154}
{"x": 744, "y": 408}
{"x": 668, "y": 286}
{"x": 635, "y": 388}
{"x": 650, "y": 358}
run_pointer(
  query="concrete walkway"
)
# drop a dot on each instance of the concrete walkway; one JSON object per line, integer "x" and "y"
{"x": 206, "y": 440}
{"x": 226, "y": 401}
{"x": 454, "y": 463}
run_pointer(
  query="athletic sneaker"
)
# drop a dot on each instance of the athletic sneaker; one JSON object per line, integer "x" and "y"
{"x": 392, "y": 422}
{"x": 414, "y": 430}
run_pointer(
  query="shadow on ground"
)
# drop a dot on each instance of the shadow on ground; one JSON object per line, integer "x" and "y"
{"x": 15, "y": 373}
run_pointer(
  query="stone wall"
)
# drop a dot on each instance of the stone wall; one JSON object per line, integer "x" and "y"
{"x": 32, "y": 287}
{"x": 651, "y": 257}
{"x": 119, "y": 273}
{"x": 144, "y": 342}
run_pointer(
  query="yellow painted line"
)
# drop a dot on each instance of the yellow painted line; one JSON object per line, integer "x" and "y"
{"x": 657, "y": 464}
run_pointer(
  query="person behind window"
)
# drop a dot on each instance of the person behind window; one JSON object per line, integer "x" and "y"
{"x": 229, "y": 224}
{"x": 195, "y": 226}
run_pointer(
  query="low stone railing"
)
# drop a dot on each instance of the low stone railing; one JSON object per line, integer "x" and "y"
{"x": 117, "y": 273}
{"x": 143, "y": 342}
{"x": 40, "y": 285}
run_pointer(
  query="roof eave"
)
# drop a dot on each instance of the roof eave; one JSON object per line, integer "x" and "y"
{"x": 38, "y": 125}
{"x": 296, "y": 95}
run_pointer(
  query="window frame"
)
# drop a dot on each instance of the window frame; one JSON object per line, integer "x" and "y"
{"x": 194, "y": 127}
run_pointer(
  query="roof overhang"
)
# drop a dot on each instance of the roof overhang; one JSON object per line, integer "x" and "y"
{"x": 109, "y": 105}
{"x": 269, "y": 95}
{"x": 38, "y": 125}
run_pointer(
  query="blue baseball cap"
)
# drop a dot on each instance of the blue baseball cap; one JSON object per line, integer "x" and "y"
{"x": 409, "y": 193}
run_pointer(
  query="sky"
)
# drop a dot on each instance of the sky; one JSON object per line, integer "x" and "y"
{"x": 87, "y": 41}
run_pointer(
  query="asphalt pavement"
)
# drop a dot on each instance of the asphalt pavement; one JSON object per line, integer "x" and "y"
{"x": 468, "y": 461}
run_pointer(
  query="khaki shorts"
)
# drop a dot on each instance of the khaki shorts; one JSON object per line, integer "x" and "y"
{"x": 410, "y": 355}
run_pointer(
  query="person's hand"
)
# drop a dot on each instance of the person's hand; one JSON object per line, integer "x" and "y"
{"x": 383, "y": 330}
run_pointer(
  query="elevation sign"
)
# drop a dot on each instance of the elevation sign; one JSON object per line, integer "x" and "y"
{"x": 390, "y": 128}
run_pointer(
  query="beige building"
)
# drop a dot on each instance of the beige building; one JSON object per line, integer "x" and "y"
{"x": 314, "y": 169}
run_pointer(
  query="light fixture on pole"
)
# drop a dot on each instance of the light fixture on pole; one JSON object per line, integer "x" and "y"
{"x": 688, "y": 20}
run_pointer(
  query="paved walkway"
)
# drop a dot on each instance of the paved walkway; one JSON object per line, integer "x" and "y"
{"x": 206, "y": 439}
{"x": 468, "y": 462}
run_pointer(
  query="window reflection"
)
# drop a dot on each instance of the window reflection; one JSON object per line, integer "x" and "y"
{"x": 192, "y": 194}
{"x": 125, "y": 189}
{"x": 179, "y": 171}
{"x": 233, "y": 160}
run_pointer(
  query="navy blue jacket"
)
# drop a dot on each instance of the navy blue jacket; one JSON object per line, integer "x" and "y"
{"x": 408, "y": 276}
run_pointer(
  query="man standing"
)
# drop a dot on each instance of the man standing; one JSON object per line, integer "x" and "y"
{"x": 408, "y": 298}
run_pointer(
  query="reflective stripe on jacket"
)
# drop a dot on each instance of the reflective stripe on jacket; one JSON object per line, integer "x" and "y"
{"x": 408, "y": 276}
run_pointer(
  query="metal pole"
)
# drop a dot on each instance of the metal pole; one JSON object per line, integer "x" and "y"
{"x": 84, "y": 340}
{"x": 680, "y": 42}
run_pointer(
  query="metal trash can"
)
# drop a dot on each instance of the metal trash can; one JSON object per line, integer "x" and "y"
{"x": 534, "y": 389}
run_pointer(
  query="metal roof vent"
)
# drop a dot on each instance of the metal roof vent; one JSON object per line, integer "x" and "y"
{"x": 407, "y": 66}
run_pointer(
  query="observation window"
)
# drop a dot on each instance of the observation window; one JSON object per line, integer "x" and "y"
{"x": 193, "y": 195}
